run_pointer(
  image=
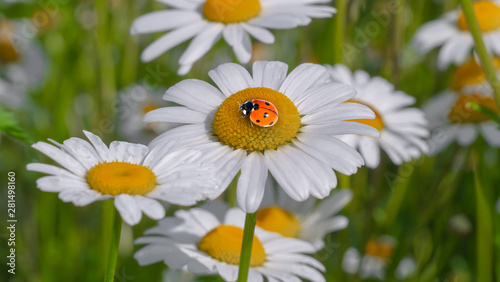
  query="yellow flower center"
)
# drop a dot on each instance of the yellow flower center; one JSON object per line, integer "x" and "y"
{"x": 231, "y": 11}
{"x": 380, "y": 250}
{"x": 470, "y": 73}
{"x": 8, "y": 53}
{"x": 461, "y": 113}
{"x": 240, "y": 133}
{"x": 487, "y": 14}
{"x": 148, "y": 108}
{"x": 278, "y": 220}
{"x": 115, "y": 178}
{"x": 224, "y": 243}
{"x": 376, "y": 123}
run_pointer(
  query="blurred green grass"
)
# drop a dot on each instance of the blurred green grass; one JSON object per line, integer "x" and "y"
{"x": 90, "y": 52}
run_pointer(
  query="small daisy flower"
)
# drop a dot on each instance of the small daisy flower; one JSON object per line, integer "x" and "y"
{"x": 300, "y": 149}
{"x": 197, "y": 240}
{"x": 451, "y": 119}
{"x": 402, "y": 128}
{"x": 452, "y": 34}
{"x": 22, "y": 62}
{"x": 303, "y": 220}
{"x": 377, "y": 257}
{"x": 209, "y": 20}
{"x": 135, "y": 176}
{"x": 135, "y": 102}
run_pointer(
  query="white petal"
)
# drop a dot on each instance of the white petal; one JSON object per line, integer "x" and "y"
{"x": 99, "y": 146}
{"x": 491, "y": 133}
{"x": 174, "y": 115}
{"x": 231, "y": 78}
{"x": 202, "y": 43}
{"x": 251, "y": 183}
{"x": 269, "y": 74}
{"x": 344, "y": 111}
{"x": 261, "y": 34}
{"x": 227, "y": 272}
{"x": 62, "y": 158}
{"x": 163, "y": 21}
{"x": 370, "y": 150}
{"x": 128, "y": 208}
{"x": 128, "y": 152}
{"x": 235, "y": 36}
{"x": 170, "y": 40}
{"x": 151, "y": 208}
{"x": 466, "y": 135}
{"x": 301, "y": 79}
{"x": 195, "y": 94}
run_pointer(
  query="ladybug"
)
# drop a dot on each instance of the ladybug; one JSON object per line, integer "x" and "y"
{"x": 261, "y": 112}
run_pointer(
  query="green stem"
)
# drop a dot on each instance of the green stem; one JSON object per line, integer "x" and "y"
{"x": 486, "y": 61}
{"x": 338, "y": 34}
{"x": 113, "y": 248}
{"x": 246, "y": 246}
{"x": 399, "y": 188}
{"x": 484, "y": 230}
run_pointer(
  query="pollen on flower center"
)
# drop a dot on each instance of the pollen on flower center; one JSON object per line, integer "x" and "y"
{"x": 277, "y": 220}
{"x": 240, "y": 133}
{"x": 461, "y": 113}
{"x": 224, "y": 243}
{"x": 115, "y": 178}
{"x": 376, "y": 123}
{"x": 231, "y": 11}
{"x": 487, "y": 14}
{"x": 470, "y": 73}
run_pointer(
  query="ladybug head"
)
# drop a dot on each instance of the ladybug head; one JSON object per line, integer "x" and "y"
{"x": 246, "y": 107}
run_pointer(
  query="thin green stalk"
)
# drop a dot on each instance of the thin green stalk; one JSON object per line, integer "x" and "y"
{"x": 246, "y": 246}
{"x": 113, "y": 247}
{"x": 344, "y": 181}
{"x": 339, "y": 29}
{"x": 484, "y": 234}
{"x": 486, "y": 61}
{"x": 399, "y": 188}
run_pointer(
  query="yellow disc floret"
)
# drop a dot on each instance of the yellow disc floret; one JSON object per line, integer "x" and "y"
{"x": 461, "y": 113}
{"x": 277, "y": 220}
{"x": 8, "y": 53}
{"x": 240, "y": 133}
{"x": 376, "y": 123}
{"x": 231, "y": 11}
{"x": 115, "y": 178}
{"x": 487, "y": 14}
{"x": 381, "y": 250}
{"x": 470, "y": 73}
{"x": 224, "y": 243}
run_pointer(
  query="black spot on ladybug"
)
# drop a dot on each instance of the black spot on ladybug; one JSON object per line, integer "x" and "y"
{"x": 271, "y": 123}
{"x": 267, "y": 103}
{"x": 256, "y": 106}
{"x": 266, "y": 115}
{"x": 257, "y": 121}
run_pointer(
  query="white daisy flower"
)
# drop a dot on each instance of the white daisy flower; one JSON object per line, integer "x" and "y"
{"x": 376, "y": 259}
{"x": 452, "y": 34}
{"x": 135, "y": 102}
{"x": 401, "y": 127}
{"x": 198, "y": 240}
{"x": 451, "y": 119}
{"x": 209, "y": 20}
{"x": 300, "y": 149}
{"x": 303, "y": 220}
{"x": 11, "y": 95}
{"x": 22, "y": 62}
{"x": 135, "y": 176}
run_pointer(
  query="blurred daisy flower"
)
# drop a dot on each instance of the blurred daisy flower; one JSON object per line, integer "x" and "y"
{"x": 300, "y": 149}
{"x": 198, "y": 241}
{"x": 135, "y": 102}
{"x": 450, "y": 117}
{"x": 209, "y": 20}
{"x": 135, "y": 176}
{"x": 452, "y": 34}
{"x": 302, "y": 220}
{"x": 377, "y": 257}
{"x": 402, "y": 127}
{"x": 22, "y": 62}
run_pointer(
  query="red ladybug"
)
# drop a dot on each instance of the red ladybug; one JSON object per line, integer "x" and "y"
{"x": 261, "y": 112}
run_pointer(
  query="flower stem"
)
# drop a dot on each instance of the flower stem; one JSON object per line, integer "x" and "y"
{"x": 113, "y": 248}
{"x": 246, "y": 246}
{"x": 484, "y": 235}
{"x": 338, "y": 35}
{"x": 486, "y": 61}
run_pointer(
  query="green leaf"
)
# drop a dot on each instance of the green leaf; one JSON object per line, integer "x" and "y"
{"x": 484, "y": 110}
{"x": 9, "y": 126}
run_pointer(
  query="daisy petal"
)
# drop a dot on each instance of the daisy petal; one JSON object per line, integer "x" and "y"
{"x": 251, "y": 183}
